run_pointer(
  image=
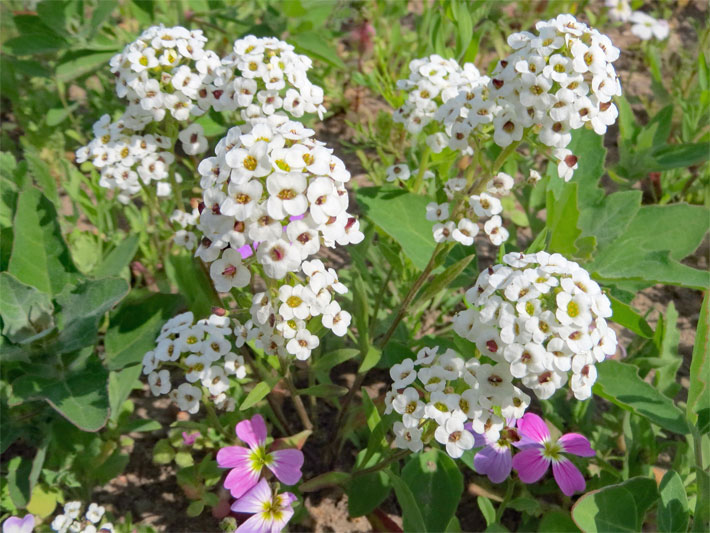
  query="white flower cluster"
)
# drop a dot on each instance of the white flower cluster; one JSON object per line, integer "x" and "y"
{"x": 543, "y": 316}
{"x": 90, "y": 523}
{"x": 169, "y": 70}
{"x": 558, "y": 79}
{"x": 432, "y": 82}
{"x": 462, "y": 226}
{"x": 165, "y": 69}
{"x": 278, "y": 325}
{"x": 126, "y": 158}
{"x": 203, "y": 351}
{"x": 263, "y": 76}
{"x": 437, "y": 394}
{"x": 270, "y": 183}
{"x": 644, "y": 26}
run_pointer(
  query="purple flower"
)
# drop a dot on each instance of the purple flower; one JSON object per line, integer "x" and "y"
{"x": 247, "y": 463}
{"x": 538, "y": 451}
{"x": 495, "y": 460}
{"x": 15, "y": 524}
{"x": 270, "y": 513}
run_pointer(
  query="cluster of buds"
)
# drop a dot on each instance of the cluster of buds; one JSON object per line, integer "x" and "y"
{"x": 448, "y": 398}
{"x": 71, "y": 519}
{"x": 543, "y": 317}
{"x": 202, "y": 354}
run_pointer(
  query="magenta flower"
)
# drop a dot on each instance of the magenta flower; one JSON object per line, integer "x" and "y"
{"x": 247, "y": 463}
{"x": 495, "y": 460}
{"x": 270, "y": 513}
{"x": 16, "y": 524}
{"x": 188, "y": 439}
{"x": 538, "y": 451}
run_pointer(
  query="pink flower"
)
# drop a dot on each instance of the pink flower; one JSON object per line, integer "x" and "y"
{"x": 538, "y": 451}
{"x": 270, "y": 513}
{"x": 188, "y": 439}
{"x": 247, "y": 463}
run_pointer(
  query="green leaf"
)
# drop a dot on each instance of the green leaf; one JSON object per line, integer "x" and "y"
{"x": 679, "y": 156}
{"x": 436, "y": 484}
{"x": 400, "y": 214}
{"x": 76, "y": 64}
{"x": 193, "y": 282}
{"x": 665, "y": 378}
{"x": 699, "y": 391}
{"x": 487, "y": 509}
{"x": 673, "y": 510}
{"x": 366, "y": 492}
{"x": 59, "y": 114}
{"x": 120, "y": 385}
{"x": 18, "y": 482}
{"x": 620, "y": 384}
{"x": 615, "y": 507}
{"x": 372, "y": 357}
{"x": 82, "y": 308}
{"x": 411, "y": 515}
{"x": 81, "y": 397}
{"x": 651, "y": 247}
{"x": 562, "y": 222}
{"x": 118, "y": 259}
{"x": 324, "y": 390}
{"x": 257, "y": 394}
{"x": 333, "y": 359}
{"x": 313, "y": 43}
{"x": 163, "y": 452}
{"x": 626, "y": 316}
{"x": 26, "y": 312}
{"x": 135, "y": 325}
{"x": 556, "y": 522}
{"x": 329, "y": 479}
{"x": 195, "y": 508}
{"x": 40, "y": 256}
{"x": 442, "y": 280}
{"x": 34, "y": 43}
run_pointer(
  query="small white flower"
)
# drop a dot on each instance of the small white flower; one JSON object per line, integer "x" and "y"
{"x": 398, "y": 172}
{"x": 188, "y": 398}
{"x": 159, "y": 382}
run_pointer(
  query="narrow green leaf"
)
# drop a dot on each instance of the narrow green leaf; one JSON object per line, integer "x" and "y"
{"x": 626, "y": 316}
{"x": 372, "y": 357}
{"x": 324, "y": 390}
{"x": 257, "y": 394}
{"x": 411, "y": 515}
{"x": 442, "y": 280}
{"x": 118, "y": 259}
{"x": 487, "y": 509}
{"x": 192, "y": 281}
{"x": 329, "y": 479}
{"x": 368, "y": 491}
{"x": 315, "y": 44}
{"x": 620, "y": 384}
{"x": 699, "y": 391}
{"x": 673, "y": 510}
{"x": 333, "y": 359}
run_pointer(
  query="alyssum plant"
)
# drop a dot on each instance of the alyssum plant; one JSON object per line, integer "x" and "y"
{"x": 271, "y": 197}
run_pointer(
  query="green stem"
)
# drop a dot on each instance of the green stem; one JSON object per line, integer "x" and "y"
{"x": 701, "y": 519}
{"x": 401, "y": 454}
{"x": 508, "y": 495}
{"x": 214, "y": 419}
{"x": 378, "y": 301}
{"x": 422, "y": 168}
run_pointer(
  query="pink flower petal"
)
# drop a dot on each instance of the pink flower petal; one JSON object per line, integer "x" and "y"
{"x": 286, "y": 514}
{"x": 241, "y": 479}
{"x": 232, "y": 456}
{"x": 576, "y": 444}
{"x": 530, "y": 464}
{"x": 253, "y": 431}
{"x": 534, "y": 427}
{"x": 568, "y": 477}
{"x": 287, "y": 465}
{"x": 493, "y": 463}
{"x": 253, "y": 501}
{"x": 255, "y": 524}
